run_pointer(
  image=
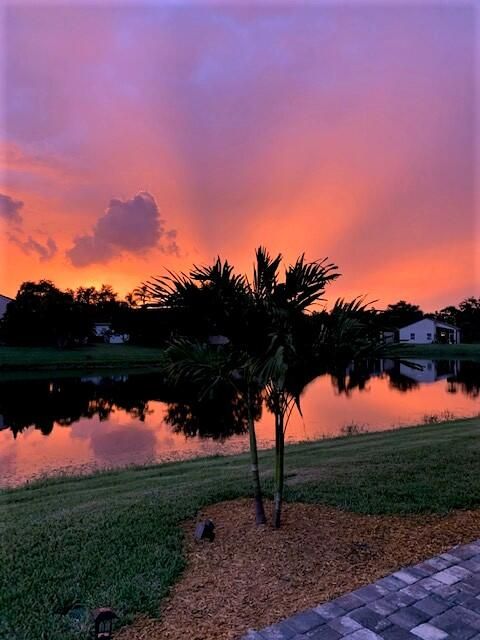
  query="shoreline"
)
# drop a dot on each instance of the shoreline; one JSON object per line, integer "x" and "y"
{"x": 57, "y": 476}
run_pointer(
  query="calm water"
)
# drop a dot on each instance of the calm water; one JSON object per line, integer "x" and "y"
{"x": 77, "y": 424}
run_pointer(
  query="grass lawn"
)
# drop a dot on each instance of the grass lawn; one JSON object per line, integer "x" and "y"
{"x": 111, "y": 356}
{"x": 128, "y": 357}
{"x": 114, "y": 538}
{"x": 438, "y": 351}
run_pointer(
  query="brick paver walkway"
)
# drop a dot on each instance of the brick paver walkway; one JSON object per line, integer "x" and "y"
{"x": 433, "y": 600}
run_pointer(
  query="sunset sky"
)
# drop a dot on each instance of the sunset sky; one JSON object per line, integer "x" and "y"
{"x": 141, "y": 136}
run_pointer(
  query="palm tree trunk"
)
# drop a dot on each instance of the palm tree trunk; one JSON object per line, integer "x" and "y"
{"x": 257, "y": 488}
{"x": 279, "y": 467}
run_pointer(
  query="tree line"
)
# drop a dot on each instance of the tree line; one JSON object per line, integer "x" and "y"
{"x": 43, "y": 315}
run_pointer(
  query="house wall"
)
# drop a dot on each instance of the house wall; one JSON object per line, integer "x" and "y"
{"x": 423, "y": 332}
{"x": 3, "y": 305}
{"x": 101, "y": 328}
{"x": 118, "y": 338}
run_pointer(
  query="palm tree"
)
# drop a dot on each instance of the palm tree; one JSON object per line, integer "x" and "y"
{"x": 214, "y": 295}
{"x": 280, "y": 346}
{"x": 140, "y": 295}
{"x": 284, "y": 305}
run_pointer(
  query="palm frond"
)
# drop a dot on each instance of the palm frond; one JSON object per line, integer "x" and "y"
{"x": 265, "y": 273}
{"x": 345, "y": 330}
{"x": 171, "y": 289}
{"x": 305, "y": 282}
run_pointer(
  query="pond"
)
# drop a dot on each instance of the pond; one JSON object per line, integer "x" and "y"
{"x": 77, "y": 424}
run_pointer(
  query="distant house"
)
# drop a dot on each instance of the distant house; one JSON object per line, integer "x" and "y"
{"x": 4, "y": 300}
{"x": 100, "y": 329}
{"x": 104, "y": 331}
{"x": 428, "y": 331}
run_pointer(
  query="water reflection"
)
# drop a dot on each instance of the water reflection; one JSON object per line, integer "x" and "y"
{"x": 219, "y": 416}
{"x": 122, "y": 419}
{"x": 43, "y": 403}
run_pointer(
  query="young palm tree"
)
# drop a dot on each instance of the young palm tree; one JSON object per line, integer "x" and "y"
{"x": 284, "y": 305}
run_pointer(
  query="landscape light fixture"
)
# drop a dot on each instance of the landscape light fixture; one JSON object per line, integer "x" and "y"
{"x": 103, "y": 619}
{"x": 205, "y": 531}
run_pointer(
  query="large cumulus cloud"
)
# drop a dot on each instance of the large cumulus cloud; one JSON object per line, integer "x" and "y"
{"x": 132, "y": 226}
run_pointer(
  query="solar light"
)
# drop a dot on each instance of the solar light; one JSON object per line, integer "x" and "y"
{"x": 205, "y": 531}
{"x": 103, "y": 619}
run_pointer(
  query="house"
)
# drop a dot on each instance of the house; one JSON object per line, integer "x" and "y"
{"x": 425, "y": 371}
{"x": 101, "y": 329}
{"x": 428, "y": 331}
{"x": 4, "y": 300}
{"x": 104, "y": 331}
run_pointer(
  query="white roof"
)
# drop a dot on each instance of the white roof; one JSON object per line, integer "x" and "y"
{"x": 437, "y": 323}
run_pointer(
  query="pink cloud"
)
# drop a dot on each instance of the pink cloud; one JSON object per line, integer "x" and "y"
{"x": 127, "y": 226}
{"x": 45, "y": 251}
{"x": 10, "y": 209}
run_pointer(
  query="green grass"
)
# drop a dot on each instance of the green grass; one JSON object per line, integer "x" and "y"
{"x": 129, "y": 357}
{"x": 114, "y": 538}
{"x": 437, "y": 351}
{"x": 100, "y": 356}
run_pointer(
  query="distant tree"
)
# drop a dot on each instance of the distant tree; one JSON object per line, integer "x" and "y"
{"x": 470, "y": 319}
{"x": 130, "y": 299}
{"x": 450, "y": 315}
{"x": 103, "y": 305}
{"x": 400, "y": 314}
{"x": 141, "y": 295}
{"x": 86, "y": 295}
{"x": 466, "y": 316}
{"x": 41, "y": 314}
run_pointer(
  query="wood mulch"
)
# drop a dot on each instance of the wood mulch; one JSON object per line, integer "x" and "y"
{"x": 250, "y": 577}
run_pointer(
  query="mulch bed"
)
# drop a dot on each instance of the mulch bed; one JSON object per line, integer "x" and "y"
{"x": 250, "y": 577}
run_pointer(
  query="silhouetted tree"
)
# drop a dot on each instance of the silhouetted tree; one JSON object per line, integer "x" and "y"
{"x": 208, "y": 300}
{"x": 41, "y": 314}
{"x": 103, "y": 305}
{"x": 400, "y": 314}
